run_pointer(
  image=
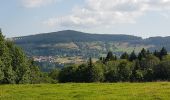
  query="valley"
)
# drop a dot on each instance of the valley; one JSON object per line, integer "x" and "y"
{"x": 68, "y": 47}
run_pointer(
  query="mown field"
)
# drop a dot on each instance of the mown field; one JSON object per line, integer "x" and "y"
{"x": 87, "y": 91}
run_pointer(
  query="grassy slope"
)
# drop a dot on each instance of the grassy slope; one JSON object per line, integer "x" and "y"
{"x": 91, "y": 91}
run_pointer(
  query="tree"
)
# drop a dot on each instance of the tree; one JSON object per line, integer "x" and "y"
{"x": 148, "y": 52}
{"x": 162, "y": 71}
{"x": 14, "y": 65}
{"x": 102, "y": 59}
{"x": 9, "y": 74}
{"x": 82, "y": 73}
{"x": 156, "y": 53}
{"x": 111, "y": 76}
{"x": 124, "y": 70}
{"x": 163, "y": 52}
{"x": 1, "y": 36}
{"x": 147, "y": 65}
{"x": 148, "y": 75}
{"x": 2, "y": 45}
{"x": 68, "y": 74}
{"x": 1, "y": 71}
{"x": 111, "y": 65}
{"x": 132, "y": 56}
{"x": 90, "y": 63}
{"x": 1, "y": 63}
{"x": 139, "y": 76}
{"x": 95, "y": 72}
{"x": 135, "y": 72}
{"x": 149, "y": 62}
{"x": 110, "y": 57}
{"x": 124, "y": 56}
{"x": 35, "y": 74}
{"x": 54, "y": 74}
{"x": 142, "y": 54}
{"x": 19, "y": 63}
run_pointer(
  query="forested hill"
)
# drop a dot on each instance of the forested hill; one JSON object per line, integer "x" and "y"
{"x": 73, "y": 36}
{"x": 73, "y": 43}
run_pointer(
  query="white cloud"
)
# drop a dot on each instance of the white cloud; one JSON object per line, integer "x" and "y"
{"x": 108, "y": 12}
{"x": 36, "y": 3}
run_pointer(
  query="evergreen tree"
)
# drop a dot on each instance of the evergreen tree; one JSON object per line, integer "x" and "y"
{"x": 142, "y": 54}
{"x": 156, "y": 53}
{"x": 90, "y": 70}
{"x": 90, "y": 63}
{"x": 95, "y": 72}
{"x": 148, "y": 52}
{"x": 132, "y": 56}
{"x": 109, "y": 56}
{"x": 102, "y": 59}
{"x": 124, "y": 56}
{"x": 163, "y": 52}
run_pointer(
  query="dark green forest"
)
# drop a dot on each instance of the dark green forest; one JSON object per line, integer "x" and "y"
{"x": 146, "y": 66}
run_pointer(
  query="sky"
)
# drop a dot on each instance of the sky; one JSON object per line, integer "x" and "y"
{"x": 144, "y": 18}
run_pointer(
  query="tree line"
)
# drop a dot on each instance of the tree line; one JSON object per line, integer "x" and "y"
{"x": 145, "y": 66}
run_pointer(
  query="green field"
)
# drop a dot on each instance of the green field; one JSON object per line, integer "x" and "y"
{"x": 87, "y": 91}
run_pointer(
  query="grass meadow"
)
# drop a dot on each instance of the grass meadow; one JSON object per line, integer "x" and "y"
{"x": 87, "y": 91}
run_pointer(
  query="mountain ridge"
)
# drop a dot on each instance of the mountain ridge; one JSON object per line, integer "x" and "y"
{"x": 74, "y": 43}
{"x": 70, "y": 35}
{"x": 71, "y": 31}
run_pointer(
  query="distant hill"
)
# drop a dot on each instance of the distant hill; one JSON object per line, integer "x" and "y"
{"x": 73, "y": 36}
{"x": 74, "y": 43}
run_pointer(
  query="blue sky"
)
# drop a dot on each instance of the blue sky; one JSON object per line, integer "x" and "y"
{"x": 144, "y": 18}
